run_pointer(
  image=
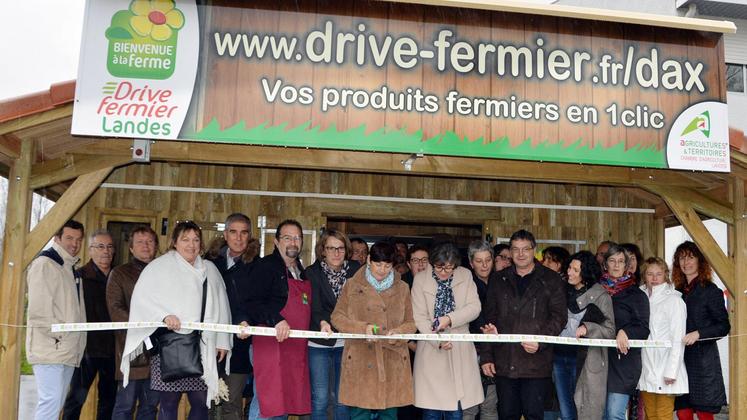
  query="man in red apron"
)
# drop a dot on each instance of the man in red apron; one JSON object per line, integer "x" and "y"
{"x": 279, "y": 296}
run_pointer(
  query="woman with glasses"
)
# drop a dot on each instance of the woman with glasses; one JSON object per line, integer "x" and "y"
{"x": 445, "y": 300}
{"x": 328, "y": 275}
{"x": 631, "y": 309}
{"x": 417, "y": 261}
{"x": 707, "y": 320}
{"x": 376, "y": 375}
{"x": 502, "y": 257}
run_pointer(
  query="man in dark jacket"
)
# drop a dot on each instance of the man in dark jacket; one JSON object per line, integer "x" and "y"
{"x": 525, "y": 298}
{"x": 143, "y": 245}
{"x": 278, "y": 295}
{"x": 99, "y": 354}
{"x": 234, "y": 259}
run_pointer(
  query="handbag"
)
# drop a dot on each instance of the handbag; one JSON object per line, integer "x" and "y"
{"x": 180, "y": 353}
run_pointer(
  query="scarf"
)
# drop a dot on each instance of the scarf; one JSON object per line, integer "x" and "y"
{"x": 615, "y": 286}
{"x": 444, "y": 296}
{"x": 380, "y": 286}
{"x": 336, "y": 279}
{"x": 171, "y": 285}
{"x": 689, "y": 286}
{"x": 571, "y": 295}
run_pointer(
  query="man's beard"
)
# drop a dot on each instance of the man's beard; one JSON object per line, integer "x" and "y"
{"x": 292, "y": 251}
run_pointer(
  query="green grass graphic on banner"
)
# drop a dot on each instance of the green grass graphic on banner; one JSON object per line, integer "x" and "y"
{"x": 448, "y": 144}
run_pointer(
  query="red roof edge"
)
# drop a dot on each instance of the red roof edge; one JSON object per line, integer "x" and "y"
{"x": 737, "y": 140}
{"x": 21, "y": 106}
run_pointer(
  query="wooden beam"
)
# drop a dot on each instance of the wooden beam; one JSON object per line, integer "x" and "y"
{"x": 72, "y": 166}
{"x": 10, "y": 146}
{"x": 738, "y": 343}
{"x": 246, "y": 155}
{"x": 690, "y": 220}
{"x": 661, "y": 240}
{"x": 662, "y": 211}
{"x": 700, "y": 202}
{"x": 12, "y": 287}
{"x": 36, "y": 119}
{"x": 644, "y": 195}
{"x": 739, "y": 158}
{"x": 64, "y": 209}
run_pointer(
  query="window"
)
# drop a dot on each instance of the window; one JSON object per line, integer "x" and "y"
{"x": 735, "y": 78}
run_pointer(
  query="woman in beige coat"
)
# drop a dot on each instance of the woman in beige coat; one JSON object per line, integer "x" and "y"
{"x": 376, "y": 377}
{"x": 444, "y": 299}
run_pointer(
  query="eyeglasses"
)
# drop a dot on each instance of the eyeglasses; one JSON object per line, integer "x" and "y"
{"x": 615, "y": 262}
{"x": 444, "y": 268}
{"x": 335, "y": 249}
{"x": 102, "y": 247}
{"x": 423, "y": 260}
{"x": 288, "y": 238}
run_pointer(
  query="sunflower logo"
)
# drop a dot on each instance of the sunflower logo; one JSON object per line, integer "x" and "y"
{"x": 155, "y": 18}
{"x": 143, "y": 38}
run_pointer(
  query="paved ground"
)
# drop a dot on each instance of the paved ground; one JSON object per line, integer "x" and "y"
{"x": 27, "y": 398}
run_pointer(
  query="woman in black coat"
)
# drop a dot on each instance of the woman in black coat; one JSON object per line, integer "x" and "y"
{"x": 631, "y": 308}
{"x": 327, "y": 275}
{"x": 706, "y": 318}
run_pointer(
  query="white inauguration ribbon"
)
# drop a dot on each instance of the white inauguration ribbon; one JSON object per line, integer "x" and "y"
{"x": 270, "y": 332}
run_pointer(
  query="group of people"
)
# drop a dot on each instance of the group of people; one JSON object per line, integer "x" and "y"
{"x": 351, "y": 288}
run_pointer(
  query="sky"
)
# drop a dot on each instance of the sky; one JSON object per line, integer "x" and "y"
{"x": 41, "y": 41}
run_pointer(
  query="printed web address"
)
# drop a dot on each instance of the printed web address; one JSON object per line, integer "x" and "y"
{"x": 328, "y": 46}
{"x": 322, "y": 47}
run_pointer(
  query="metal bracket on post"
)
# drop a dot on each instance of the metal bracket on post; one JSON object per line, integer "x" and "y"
{"x": 141, "y": 150}
{"x": 407, "y": 163}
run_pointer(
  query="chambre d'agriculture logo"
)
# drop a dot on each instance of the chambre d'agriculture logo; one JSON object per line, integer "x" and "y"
{"x": 701, "y": 124}
{"x": 143, "y": 40}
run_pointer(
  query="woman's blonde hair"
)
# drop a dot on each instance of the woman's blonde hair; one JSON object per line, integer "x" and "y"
{"x": 655, "y": 261}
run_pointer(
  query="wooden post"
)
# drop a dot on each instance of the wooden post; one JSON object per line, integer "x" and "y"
{"x": 738, "y": 344}
{"x": 13, "y": 286}
{"x": 64, "y": 209}
{"x": 661, "y": 231}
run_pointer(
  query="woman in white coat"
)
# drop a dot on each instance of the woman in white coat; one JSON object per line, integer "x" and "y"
{"x": 445, "y": 300}
{"x": 663, "y": 376}
{"x": 170, "y": 290}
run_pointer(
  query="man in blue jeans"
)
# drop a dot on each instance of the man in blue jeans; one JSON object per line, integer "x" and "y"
{"x": 55, "y": 296}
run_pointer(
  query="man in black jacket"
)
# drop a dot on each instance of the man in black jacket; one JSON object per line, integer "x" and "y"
{"x": 99, "y": 354}
{"x": 281, "y": 373}
{"x": 234, "y": 256}
{"x": 525, "y": 298}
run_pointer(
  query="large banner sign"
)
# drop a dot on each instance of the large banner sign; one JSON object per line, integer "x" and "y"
{"x": 392, "y": 77}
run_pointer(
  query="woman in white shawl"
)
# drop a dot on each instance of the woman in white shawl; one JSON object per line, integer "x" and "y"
{"x": 170, "y": 290}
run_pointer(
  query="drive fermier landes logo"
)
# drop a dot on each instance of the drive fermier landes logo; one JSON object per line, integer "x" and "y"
{"x": 142, "y": 46}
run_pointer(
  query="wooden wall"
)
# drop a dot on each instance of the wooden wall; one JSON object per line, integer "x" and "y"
{"x": 591, "y": 226}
